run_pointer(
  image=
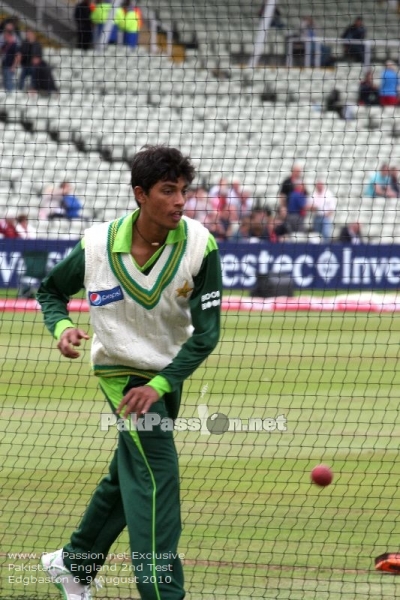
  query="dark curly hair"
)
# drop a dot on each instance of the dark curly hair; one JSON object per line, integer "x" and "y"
{"x": 159, "y": 163}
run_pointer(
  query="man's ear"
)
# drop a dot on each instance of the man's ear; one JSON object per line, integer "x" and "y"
{"x": 140, "y": 195}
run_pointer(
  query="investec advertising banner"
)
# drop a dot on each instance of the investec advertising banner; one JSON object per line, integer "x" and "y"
{"x": 311, "y": 266}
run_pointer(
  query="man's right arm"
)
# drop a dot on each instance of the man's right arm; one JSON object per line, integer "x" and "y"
{"x": 64, "y": 280}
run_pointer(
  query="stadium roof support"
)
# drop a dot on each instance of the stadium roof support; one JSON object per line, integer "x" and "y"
{"x": 262, "y": 34}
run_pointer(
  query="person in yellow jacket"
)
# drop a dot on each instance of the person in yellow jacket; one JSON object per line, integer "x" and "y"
{"x": 128, "y": 20}
{"x": 100, "y": 16}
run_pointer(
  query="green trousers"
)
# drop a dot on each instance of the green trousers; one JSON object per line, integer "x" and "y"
{"x": 140, "y": 492}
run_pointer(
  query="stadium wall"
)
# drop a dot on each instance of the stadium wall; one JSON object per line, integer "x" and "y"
{"x": 322, "y": 266}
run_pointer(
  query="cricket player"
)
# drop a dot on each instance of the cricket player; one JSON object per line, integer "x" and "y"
{"x": 153, "y": 285}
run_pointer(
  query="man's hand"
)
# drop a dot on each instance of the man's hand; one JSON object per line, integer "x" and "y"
{"x": 138, "y": 400}
{"x": 71, "y": 337}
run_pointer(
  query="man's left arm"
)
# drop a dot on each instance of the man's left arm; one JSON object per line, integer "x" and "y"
{"x": 205, "y": 308}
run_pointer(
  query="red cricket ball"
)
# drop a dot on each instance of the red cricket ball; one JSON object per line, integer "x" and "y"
{"x": 321, "y": 475}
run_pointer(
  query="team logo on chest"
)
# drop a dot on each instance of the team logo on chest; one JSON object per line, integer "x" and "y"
{"x": 103, "y": 297}
{"x": 184, "y": 291}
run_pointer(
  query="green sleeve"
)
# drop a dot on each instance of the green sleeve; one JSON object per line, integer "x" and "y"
{"x": 205, "y": 308}
{"x": 63, "y": 281}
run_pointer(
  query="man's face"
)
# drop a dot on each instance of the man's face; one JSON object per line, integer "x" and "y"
{"x": 163, "y": 204}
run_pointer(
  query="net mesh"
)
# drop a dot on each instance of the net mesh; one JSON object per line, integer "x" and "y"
{"x": 299, "y": 381}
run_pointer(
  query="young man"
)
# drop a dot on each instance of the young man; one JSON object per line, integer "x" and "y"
{"x": 153, "y": 285}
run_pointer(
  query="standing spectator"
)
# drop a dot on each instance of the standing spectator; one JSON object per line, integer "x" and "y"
{"x": 388, "y": 93}
{"x": 379, "y": 184}
{"x": 29, "y": 48}
{"x": 323, "y": 205}
{"x": 308, "y": 33}
{"x": 368, "y": 92}
{"x": 12, "y": 22}
{"x": 24, "y": 229}
{"x": 355, "y": 31}
{"x": 42, "y": 78}
{"x": 351, "y": 234}
{"x": 9, "y": 50}
{"x": 394, "y": 181}
{"x": 84, "y": 26}
{"x": 287, "y": 185}
{"x": 297, "y": 208}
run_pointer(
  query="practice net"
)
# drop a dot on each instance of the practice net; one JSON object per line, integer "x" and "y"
{"x": 288, "y": 110}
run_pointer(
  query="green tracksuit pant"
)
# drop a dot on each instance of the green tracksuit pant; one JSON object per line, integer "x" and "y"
{"x": 141, "y": 492}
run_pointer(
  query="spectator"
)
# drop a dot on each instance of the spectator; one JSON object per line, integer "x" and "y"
{"x": 84, "y": 26}
{"x": 334, "y": 104}
{"x": 277, "y": 21}
{"x": 308, "y": 33}
{"x": 213, "y": 223}
{"x": 42, "y": 78}
{"x": 388, "y": 93}
{"x": 368, "y": 92}
{"x": 8, "y": 226}
{"x": 24, "y": 229}
{"x": 12, "y": 22}
{"x": 50, "y": 206}
{"x": 240, "y": 199}
{"x": 196, "y": 206}
{"x": 394, "y": 181}
{"x": 351, "y": 234}
{"x": 280, "y": 225}
{"x": 355, "y": 31}
{"x": 297, "y": 208}
{"x": 70, "y": 204}
{"x": 260, "y": 225}
{"x": 9, "y": 49}
{"x": 29, "y": 48}
{"x": 379, "y": 184}
{"x": 323, "y": 205}
{"x": 287, "y": 185}
{"x": 243, "y": 232}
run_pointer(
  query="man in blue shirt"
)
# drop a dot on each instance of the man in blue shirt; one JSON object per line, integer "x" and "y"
{"x": 297, "y": 207}
{"x": 379, "y": 184}
{"x": 388, "y": 93}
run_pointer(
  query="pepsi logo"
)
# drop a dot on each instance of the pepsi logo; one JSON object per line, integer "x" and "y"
{"x": 95, "y": 298}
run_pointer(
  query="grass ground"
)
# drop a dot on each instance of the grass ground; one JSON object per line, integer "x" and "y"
{"x": 254, "y": 526}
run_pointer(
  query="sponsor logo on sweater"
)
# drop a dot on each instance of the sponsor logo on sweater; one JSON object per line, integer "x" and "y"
{"x": 103, "y": 297}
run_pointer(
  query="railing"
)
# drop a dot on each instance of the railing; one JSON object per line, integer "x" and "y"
{"x": 313, "y": 48}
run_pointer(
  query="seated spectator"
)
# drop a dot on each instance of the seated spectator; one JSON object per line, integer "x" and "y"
{"x": 323, "y": 205}
{"x": 222, "y": 195}
{"x": 351, "y": 234}
{"x": 388, "y": 92}
{"x": 84, "y": 26}
{"x": 71, "y": 205}
{"x": 287, "y": 185}
{"x": 297, "y": 208}
{"x": 24, "y": 229}
{"x": 9, "y": 49}
{"x": 42, "y": 78}
{"x": 240, "y": 199}
{"x": 214, "y": 225}
{"x": 281, "y": 228}
{"x": 394, "y": 181}
{"x": 197, "y": 205}
{"x": 355, "y": 31}
{"x": 29, "y": 48}
{"x": 333, "y": 103}
{"x": 8, "y": 226}
{"x": 243, "y": 232}
{"x": 368, "y": 92}
{"x": 379, "y": 184}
